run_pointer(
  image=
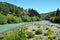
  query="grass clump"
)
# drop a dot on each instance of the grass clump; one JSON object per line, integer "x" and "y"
{"x": 16, "y": 35}
{"x": 33, "y": 30}
{"x": 37, "y": 38}
{"x": 58, "y": 27}
{"x": 30, "y": 35}
{"x": 49, "y": 32}
{"x": 39, "y": 31}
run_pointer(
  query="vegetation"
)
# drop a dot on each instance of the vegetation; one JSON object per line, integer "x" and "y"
{"x": 10, "y": 13}
{"x": 16, "y": 35}
{"x": 38, "y": 32}
{"x": 30, "y": 35}
{"x": 49, "y": 32}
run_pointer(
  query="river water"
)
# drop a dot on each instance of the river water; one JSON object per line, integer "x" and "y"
{"x": 7, "y": 27}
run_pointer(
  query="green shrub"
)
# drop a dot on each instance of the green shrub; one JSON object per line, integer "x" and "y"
{"x": 49, "y": 32}
{"x": 26, "y": 19}
{"x": 37, "y": 38}
{"x": 35, "y": 18}
{"x": 13, "y": 19}
{"x": 58, "y": 27}
{"x": 16, "y": 35}
{"x": 3, "y": 19}
{"x": 30, "y": 35}
{"x": 38, "y": 32}
{"x": 55, "y": 19}
{"x": 52, "y": 19}
{"x": 33, "y": 30}
{"x": 47, "y": 28}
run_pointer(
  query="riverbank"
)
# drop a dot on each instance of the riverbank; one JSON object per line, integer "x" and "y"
{"x": 39, "y": 31}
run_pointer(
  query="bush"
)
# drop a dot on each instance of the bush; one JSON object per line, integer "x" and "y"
{"x": 3, "y": 19}
{"x": 35, "y": 18}
{"x": 33, "y": 30}
{"x": 30, "y": 35}
{"x": 13, "y": 19}
{"x": 55, "y": 19}
{"x": 16, "y": 35}
{"x": 49, "y": 32}
{"x": 52, "y": 19}
{"x": 38, "y": 32}
{"x": 58, "y": 27}
{"x": 26, "y": 19}
{"x": 51, "y": 37}
{"x": 37, "y": 38}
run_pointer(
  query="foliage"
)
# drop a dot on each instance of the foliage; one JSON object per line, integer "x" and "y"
{"x": 12, "y": 14}
{"x": 35, "y": 18}
{"x": 38, "y": 32}
{"x": 37, "y": 38}
{"x": 3, "y": 19}
{"x": 30, "y": 35}
{"x": 49, "y": 32}
{"x": 16, "y": 35}
{"x": 13, "y": 19}
{"x": 27, "y": 19}
{"x": 55, "y": 19}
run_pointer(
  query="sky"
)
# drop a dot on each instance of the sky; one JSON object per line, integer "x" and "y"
{"x": 42, "y": 6}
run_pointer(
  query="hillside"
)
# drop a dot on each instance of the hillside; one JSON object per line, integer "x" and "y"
{"x": 53, "y": 16}
{"x": 10, "y": 13}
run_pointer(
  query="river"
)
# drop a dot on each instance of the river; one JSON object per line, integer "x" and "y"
{"x": 7, "y": 27}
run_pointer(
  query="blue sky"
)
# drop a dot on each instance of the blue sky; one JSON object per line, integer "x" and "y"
{"x": 42, "y": 6}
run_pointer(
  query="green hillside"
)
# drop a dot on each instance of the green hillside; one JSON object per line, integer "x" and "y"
{"x": 10, "y": 13}
{"x": 53, "y": 16}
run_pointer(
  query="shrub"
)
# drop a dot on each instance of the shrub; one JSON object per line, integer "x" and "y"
{"x": 47, "y": 28}
{"x": 39, "y": 26}
{"x": 30, "y": 35}
{"x": 58, "y": 38}
{"x": 51, "y": 37}
{"x": 58, "y": 27}
{"x": 33, "y": 30}
{"x": 35, "y": 18}
{"x": 38, "y": 32}
{"x": 13, "y": 19}
{"x": 3, "y": 19}
{"x": 49, "y": 32}
{"x": 55, "y": 19}
{"x": 37, "y": 38}
{"x": 16, "y": 35}
{"x": 52, "y": 19}
{"x": 26, "y": 19}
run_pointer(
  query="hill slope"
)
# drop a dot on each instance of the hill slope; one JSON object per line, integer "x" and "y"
{"x": 10, "y": 13}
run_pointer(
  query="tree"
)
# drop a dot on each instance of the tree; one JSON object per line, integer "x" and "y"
{"x": 57, "y": 12}
{"x": 33, "y": 12}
